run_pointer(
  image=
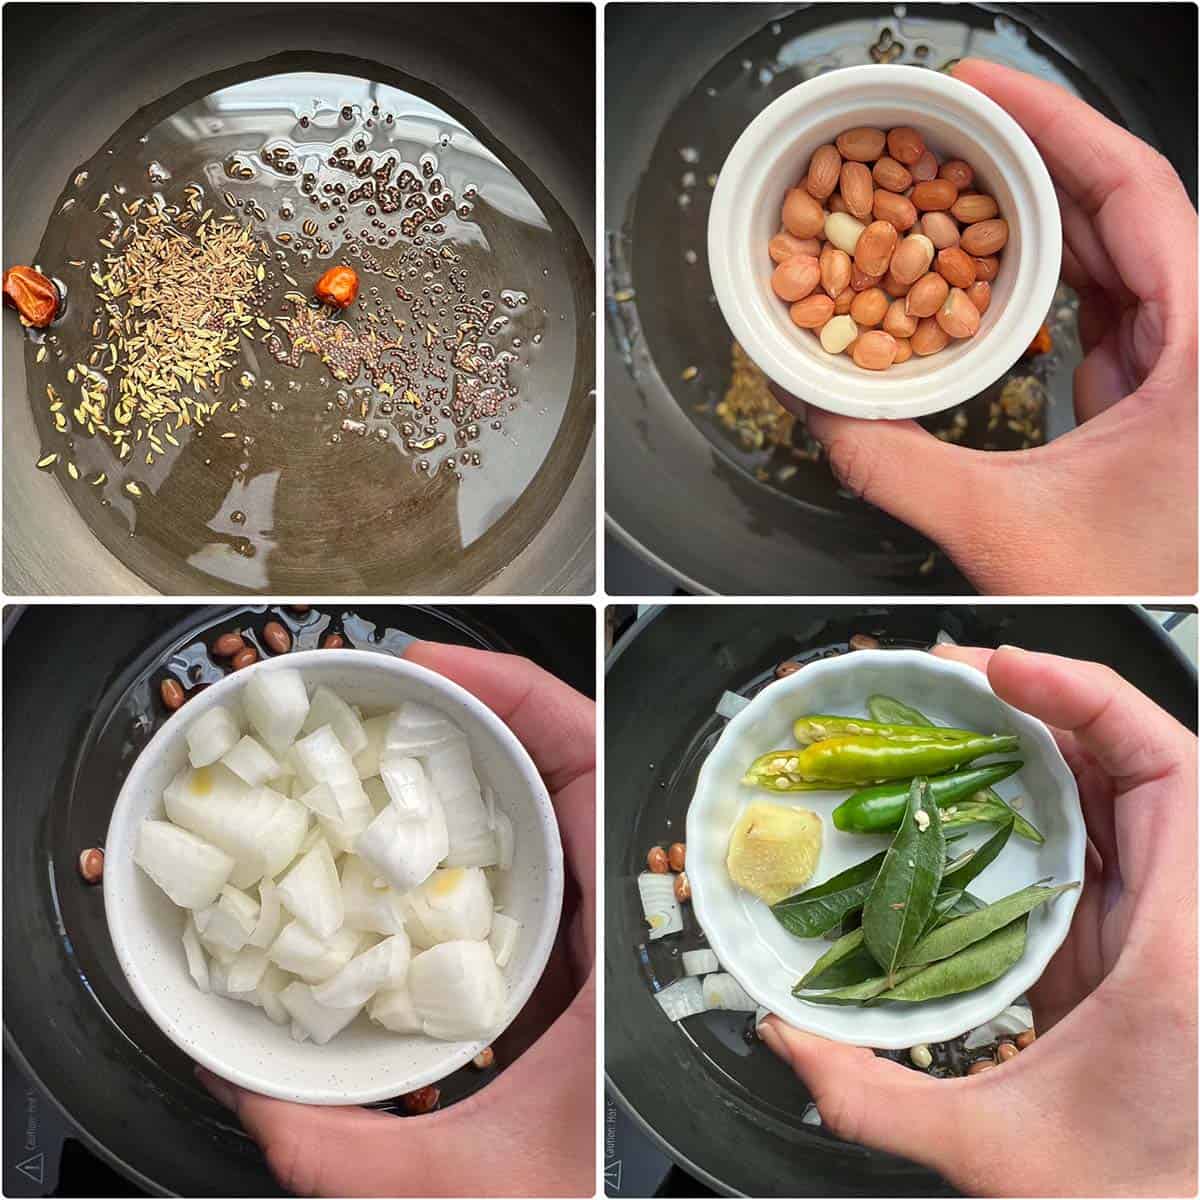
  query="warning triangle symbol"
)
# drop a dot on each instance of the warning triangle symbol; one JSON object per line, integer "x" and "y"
{"x": 612, "y": 1176}
{"x": 34, "y": 1166}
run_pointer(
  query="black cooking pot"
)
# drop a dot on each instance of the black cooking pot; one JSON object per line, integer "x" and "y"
{"x": 76, "y": 73}
{"x": 719, "y": 1103}
{"x": 80, "y": 701}
{"x": 682, "y": 82}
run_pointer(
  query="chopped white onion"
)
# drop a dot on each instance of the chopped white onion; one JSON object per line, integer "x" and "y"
{"x": 723, "y": 991}
{"x": 190, "y": 870}
{"x": 419, "y": 729}
{"x": 322, "y": 758}
{"x": 228, "y": 924}
{"x": 404, "y": 852}
{"x": 366, "y": 907}
{"x": 311, "y": 838}
{"x": 197, "y": 963}
{"x": 276, "y": 703}
{"x": 246, "y": 971}
{"x": 506, "y": 841}
{"x": 683, "y": 998}
{"x": 452, "y": 905}
{"x": 377, "y": 794}
{"x": 944, "y": 639}
{"x": 407, "y": 785}
{"x": 457, "y": 991}
{"x": 472, "y": 842}
{"x": 211, "y": 735}
{"x": 318, "y": 1021}
{"x": 700, "y": 962}
{"x": 312, "y": 891}
{"x": 659, "y": 906}
{"x": 1013, "y": 1020}
{"x": 383, "y": 965}
{"x": 503, "y": 938}
{"x": 299, "y": 1033}
{"x": 270, "y": 916}
{"x": 267, "y": 993}
{"x": 298, "y": 950}
{"x": 320, "y": 799}
{"x": 326, "y": 707}
{"x": 731, "y": 704}
{"x": 366, "y": 761}
{"x": 393, "y": 1009}
{"x": 284, "y": 834}
{"x": 251, "y": 762}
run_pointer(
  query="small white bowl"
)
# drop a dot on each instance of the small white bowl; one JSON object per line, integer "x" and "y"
{"x": 365, "y": 1062}
{"x": 746, "y": 937}
{"x": 956, "y": 121}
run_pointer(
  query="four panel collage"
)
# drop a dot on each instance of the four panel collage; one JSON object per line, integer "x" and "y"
{"x": 600, "y": 599}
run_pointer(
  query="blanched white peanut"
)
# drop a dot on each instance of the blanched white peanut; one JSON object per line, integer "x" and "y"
{"x": 843, "y": 231}
{"x": 837, "y": 333}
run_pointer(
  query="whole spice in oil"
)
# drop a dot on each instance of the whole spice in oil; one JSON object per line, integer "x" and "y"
{"x": 33, "y": 296}
{"x": 338, "y": 287}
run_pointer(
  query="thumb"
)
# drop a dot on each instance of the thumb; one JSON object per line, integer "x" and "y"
{"x": 903, "y": 469}
{"x": 876, "y": 1102}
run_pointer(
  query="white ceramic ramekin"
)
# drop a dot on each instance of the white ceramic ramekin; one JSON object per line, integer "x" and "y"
{"x": 365, "y": 1062}
{"x": 957, "y": 122}
{"x": 767, "y": 960}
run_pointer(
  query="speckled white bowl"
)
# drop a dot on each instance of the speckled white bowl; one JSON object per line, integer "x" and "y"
{"x": 365, "y": 1062}
{"x": 957, "y": 121}
{"x": 763, "y": 957}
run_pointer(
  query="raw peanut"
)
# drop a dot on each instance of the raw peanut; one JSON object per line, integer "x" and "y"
{"x": 978, "y": 1068}
{"x": 657, "y": 861}
{"x": 874, "y": 351}
{"x": 941, "y": 229}
{"x": 905, "y": 144}
{"x": 874, "y": 249}
{"x": 244, "y": 658}
{"x": 677, "y": 856}
{"x": 843, "y": 231}
{"x": 861, "y": 144}
{"x": 959, "y": 173}
{"x": 1025, "y": 1039}
{"x": 912, "y": 258}
{"x": 984, "y": 237}
{"x": 484, "y": 1059}
{"x": 803, "y": 217}
{"x": 958, "y": 316}
{"x": 228, "y": 644}
{"x": 783, "y": 246}
{"x": 895, "y": 210}
{"x": 1006, "y": 1051}
{"x": 857, "y": 189}
{"x": 891, "y": 175}
{"x": 841, "y": 305}
{"x": 987, "y": 268}
{"x": 929, "y": 338}
{"x": 926, "y": 296}
{"x": 172, "y": 693}
{"x": 935, "y": 195}
{"x": 925, "y": 168}
{"x": 956, "y": 267}
{"x": 813, "y": 311}
{"x": 837, "y": 334}
{"x": 863, "y": 641}
{"x": 860, "y": 280}
{"x": 837, "y": 204}
{"x": 869, "y": 308}
{"x": 277, "y": 637}
{"x": 897, "y": 322}
{"x": 423, "y": 1100}
{"x": 823, "y": 170}
{"x": 980, "y": 295}
{"x": 903, "y": 351}
{"x": 683, "y": 888}
{"x": 835, "y": 270}
{"x": 91, "y": 864}
{"x": 333, "y": 641}
{"x": 893, "y": 286}
{"x": 794, "y": 279}
{"x": 974, "y": 206}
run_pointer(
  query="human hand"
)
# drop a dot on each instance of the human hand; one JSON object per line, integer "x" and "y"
{"x": 1110, "y": 507}
{"x": 531, "y": 1131}
{"x": 1104, "y": 1101}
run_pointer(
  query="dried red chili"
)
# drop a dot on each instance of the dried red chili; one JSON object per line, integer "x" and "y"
{"x": 338, "y": 287}
{"x": 33, "y": 295}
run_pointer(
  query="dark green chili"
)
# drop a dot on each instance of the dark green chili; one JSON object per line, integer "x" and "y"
{"x": 865, "y": 758}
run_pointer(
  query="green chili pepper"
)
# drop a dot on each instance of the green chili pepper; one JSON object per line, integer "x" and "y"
{"x": 879, "y": 809}
{"x": 820, "y": 728}
{"x": 862, "y": 759}
{"x": 776, "y": 769}
{"x": 889, "y": 711}
{"x": 971, "y": 968}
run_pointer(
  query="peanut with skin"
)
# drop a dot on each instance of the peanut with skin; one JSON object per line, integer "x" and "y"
{"x": 903, "y": 351}
{"x": 956, "y": 267}
{"x": 875, "y": 350}
{"x": 987, "y": 267}
{"x": 959, "y": 173}
{"x": 929, "y": 338}
{"x": 894, "y": 287}
{"x": 925, "y": 168}
{"x": 926, "y": 296}
{"x": 812, "y": 312}
{"x": 803, "y": 216}
{"x": 905, "y": 145}
{"x": 897, "y": 322}
{"x": 891, "y": 175}
{"x": 784, "y": 246}
{"x": 936, "y": 195}
{"x": 912, "y": 258}
{"x": 874, "y": 249}
{"x": 941, "y": 229}
{"x": 657, "y": 861}
{"x": 823, "y": 170}
{"x": 958, "y": 316}
{"x": 869, "y": 308}
{"x": 841, "y": 306}
{"x": 862, "y": 144}
{"x": 898, "y": 211}
{"x": 860, "y": 280}
{"x": 857, "y": 190}
{"x": 973, "y": 207}
{"x": 980, "y": 295}
{"x": 796, "y": 278}
{"x": 985, "y": 237}
{"x": 835, "y": 270}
